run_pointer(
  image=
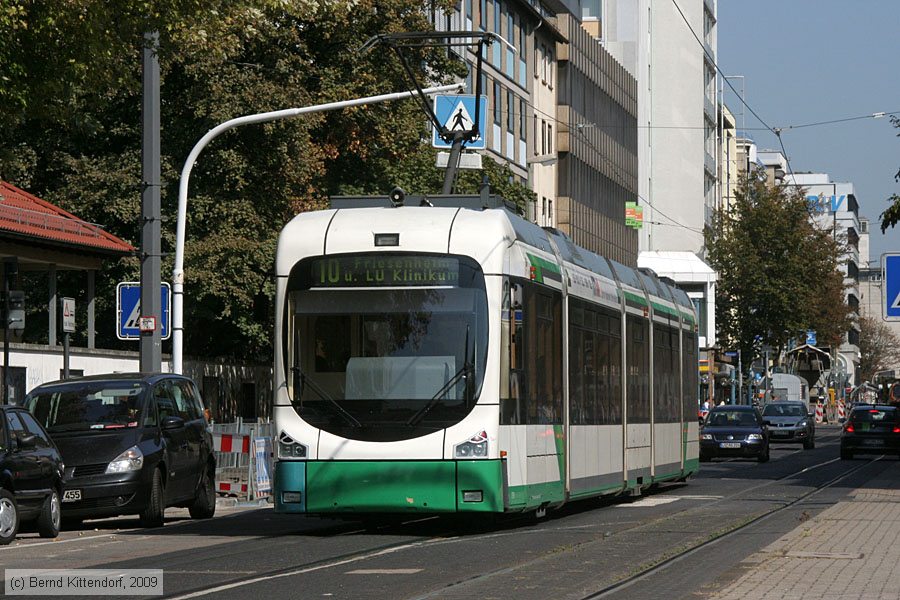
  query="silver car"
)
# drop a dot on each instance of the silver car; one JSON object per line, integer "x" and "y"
{"x": 790, "y": 422}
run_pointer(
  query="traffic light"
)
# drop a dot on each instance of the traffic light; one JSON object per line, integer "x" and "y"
{"x": 16, "y": 319}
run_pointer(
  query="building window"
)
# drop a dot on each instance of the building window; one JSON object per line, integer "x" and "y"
{"x": 550, "y": 68}
{"x": 535, "y": 136}
{"x": 498, "y": 104}
{"x": 543, "y": 136}
{"x": 549, "y": 138}
{"x": 522, "y": 119}
{"x": 510, "y": 116}
{"x": 482, "y": 15}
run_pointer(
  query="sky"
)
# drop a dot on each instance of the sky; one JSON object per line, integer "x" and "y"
{"x": 805, "y": 61}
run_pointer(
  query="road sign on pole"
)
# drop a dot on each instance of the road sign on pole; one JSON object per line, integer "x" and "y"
{"x": 129, "y": 321}
{"x": 456, "y": 112}
{"x": 890, "y": 271}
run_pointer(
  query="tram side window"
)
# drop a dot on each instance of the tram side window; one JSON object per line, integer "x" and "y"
{"x": 543, "y": 339}
{"x": 638, "y": 357}
{"x": 535, "y": 349}
{"x": 664, "y": 391}
{"x": 594, "y": 356}
{"x": 612, "y": 401}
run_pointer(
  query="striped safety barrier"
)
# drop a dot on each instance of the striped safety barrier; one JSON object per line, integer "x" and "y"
{"x": 233, "y": 450}
{"x": 820, "y": 412}
{"x": 230, "y": 442}
{"x": 231, "y": 488}
{"x": 841, "y": 412}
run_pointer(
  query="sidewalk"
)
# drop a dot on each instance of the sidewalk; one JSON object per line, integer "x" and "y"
{"x": 849, "y": 551}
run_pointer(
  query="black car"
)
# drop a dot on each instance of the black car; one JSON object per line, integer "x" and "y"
{"x": 871, "y": 430}
{"x": 734, "y": 431}
{"x": 790, "y": 421}
{"x": 132, "y": 443}
{"x": 31, "y": 475}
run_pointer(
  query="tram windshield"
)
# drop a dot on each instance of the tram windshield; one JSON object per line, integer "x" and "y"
{"x": 385, "y": 347}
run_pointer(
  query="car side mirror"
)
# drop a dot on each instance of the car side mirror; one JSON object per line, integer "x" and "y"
{"x": 172, "y": 423}
{"x": 26, "y": 441}
{"x": 810, "y": 415}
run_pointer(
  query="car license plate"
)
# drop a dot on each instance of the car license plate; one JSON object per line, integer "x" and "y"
{"x": 72, "y": 496}
{"x": 730, "y": 445}
{"x": 779, "y": 433}
{"x": 873, "y": 442}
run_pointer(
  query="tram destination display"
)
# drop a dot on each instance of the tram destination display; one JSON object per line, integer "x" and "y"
{"x": 384, "y": 271}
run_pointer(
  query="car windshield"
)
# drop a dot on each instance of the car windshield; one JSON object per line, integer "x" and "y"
{"x": 784, "y": 410}
{"x": 732, "y": 418}
{"x": 86, "y": 406}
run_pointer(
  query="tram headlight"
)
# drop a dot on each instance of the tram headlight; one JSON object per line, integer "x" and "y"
{"x": 475, "y": 447}
{"x": 290, "y": 449}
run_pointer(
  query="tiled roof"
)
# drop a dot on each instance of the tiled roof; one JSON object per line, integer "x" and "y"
{"x": 26, "y": 214}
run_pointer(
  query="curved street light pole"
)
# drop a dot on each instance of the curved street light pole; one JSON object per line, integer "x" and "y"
{"x": 178, "y": 270}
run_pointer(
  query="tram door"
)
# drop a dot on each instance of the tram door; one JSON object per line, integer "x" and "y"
{"x": 638, "y": 453}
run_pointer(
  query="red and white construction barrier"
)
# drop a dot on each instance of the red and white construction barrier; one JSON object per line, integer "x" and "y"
{"x": 841, "y": 413}
{"x": 231, "y": 488}
{"x": 229, "y": 442}
{"x": 820, "y": 413}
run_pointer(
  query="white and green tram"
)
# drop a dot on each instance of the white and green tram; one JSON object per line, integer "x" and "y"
{"x": 440, "y": 359}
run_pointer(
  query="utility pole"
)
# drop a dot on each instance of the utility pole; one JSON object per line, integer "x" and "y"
{"x": 151, "y": 210}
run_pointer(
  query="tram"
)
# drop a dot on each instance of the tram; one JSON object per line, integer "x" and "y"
{"x": 452, "y": 357}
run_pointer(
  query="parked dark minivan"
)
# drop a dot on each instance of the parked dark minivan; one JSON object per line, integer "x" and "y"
{"x": 132, "y": 444}
{"x": 31, "y": 474}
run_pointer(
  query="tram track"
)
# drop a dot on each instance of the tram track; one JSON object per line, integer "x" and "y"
{"x": 450, "y": 532}
{"x": 721, "y": 536}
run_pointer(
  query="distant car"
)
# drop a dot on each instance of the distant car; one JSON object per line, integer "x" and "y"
{"x": 734, "y": 431}
{"x": 790, "y": 421}
{"x": 132, "y": 443}
{"x": 31, "y": 474}
{"x": 871, "y": 429}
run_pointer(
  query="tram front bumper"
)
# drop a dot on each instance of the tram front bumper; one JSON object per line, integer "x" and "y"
{"x": 330, "y": 487}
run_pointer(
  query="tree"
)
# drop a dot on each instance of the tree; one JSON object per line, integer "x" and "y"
{"x": 891, "y": 216}
{"x": 72, "y": 134}
{"x": 778, "y": 271}
{"x": 879, "y": 348}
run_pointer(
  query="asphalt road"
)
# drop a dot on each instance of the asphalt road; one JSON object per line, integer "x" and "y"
{"x": 576, "y": 553}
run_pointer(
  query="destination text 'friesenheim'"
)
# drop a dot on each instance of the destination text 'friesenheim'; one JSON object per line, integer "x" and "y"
{"x": 83, "y": 582}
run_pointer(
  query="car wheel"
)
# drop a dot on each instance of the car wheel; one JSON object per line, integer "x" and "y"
{"x": 9, "y": 517}
{"x": 51, "y": 514}
{"x": 846, "y": 455}
{"x": 704, "y": 458}
{"x": 153, "y": 515}
{"x": 763, "y": 455}
{"x": 809, "y": 443}
{"x": 204, "y": 506}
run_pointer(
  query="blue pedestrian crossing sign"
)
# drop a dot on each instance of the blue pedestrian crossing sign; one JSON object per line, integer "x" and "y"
{"x": 456, "y": 112}
{"x": 128, "y": 310}
{"x": 890, "y": 270}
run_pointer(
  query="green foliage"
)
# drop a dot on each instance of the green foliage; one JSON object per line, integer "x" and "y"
{"x": 778, "y": 271}
{"x": 879, "y": 348}
{"x": 891, "y": 216}
{"x": 70, "y": 108}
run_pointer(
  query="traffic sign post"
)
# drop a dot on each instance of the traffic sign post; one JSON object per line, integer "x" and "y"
{"x": 890, "y": 271}
{"x": 130, "y": 323}
{"x": 68, "y": 327}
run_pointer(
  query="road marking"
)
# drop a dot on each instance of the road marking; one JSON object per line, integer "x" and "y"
{"x": 237, "y": 584}
{"x": 55, "y": 543}
{"x": 650, "y": 502}
{"x": 230, "y": 572}
{"x": 383, "y": 572}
